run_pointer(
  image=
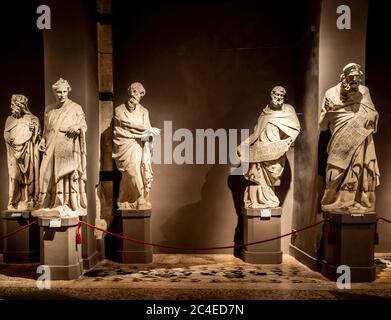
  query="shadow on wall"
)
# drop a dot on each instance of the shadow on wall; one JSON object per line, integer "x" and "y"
{"x": 237, "y": 185}
{"x": 112, "y": 243}
{"x": 286, "y": 179}
{"x": 198, "y": 224}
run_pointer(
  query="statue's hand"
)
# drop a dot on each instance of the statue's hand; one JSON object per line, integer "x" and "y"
{"x": 329, "y": 106}
{"x": 239, "y": 150}
{"x": 151, "y": 132}
{"x": 42, "y": 146}
{"x": 289, "y": 141}
{"x": 370, "y": 124}
{"x": 10, "y": 141}
{"x": 72, "y": 132}
{"x": 154, "y": 131}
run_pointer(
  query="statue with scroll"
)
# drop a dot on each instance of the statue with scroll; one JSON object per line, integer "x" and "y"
{"x": 133, "y": 137}
{"x": 277, "y": 128}
{"x": 352, "y": 172}
{"x": 63, "y": 171}
{"x": 22, "y": 134}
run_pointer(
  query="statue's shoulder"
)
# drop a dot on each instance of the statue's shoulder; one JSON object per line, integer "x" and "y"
{"x": 120, "y": 109}
{"x": 49, "y": 108}
{"x": 143, "y": 109}
{"x": 33, "y": 117}
{"x": 289, "y": 108}
{"x": 333, "y": 90}
{"x": 75, "y": 105}
{"x": 363, "y": 89}
{"x": 10, "y": 120}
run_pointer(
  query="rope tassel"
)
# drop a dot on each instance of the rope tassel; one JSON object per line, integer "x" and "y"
{"x": 78, "y": 235}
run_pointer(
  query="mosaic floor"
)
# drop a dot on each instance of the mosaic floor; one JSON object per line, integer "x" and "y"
{"x": 194, "y": 277}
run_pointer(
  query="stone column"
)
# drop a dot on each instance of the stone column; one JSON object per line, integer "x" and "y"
{"x": 106, "y": 108}
{"x": 70, "y": 53}
{"x": 335, "y": 48}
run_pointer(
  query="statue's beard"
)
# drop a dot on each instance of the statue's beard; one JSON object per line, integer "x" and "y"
{"x": 350, "y": 88}
{"x": 134, "y": 101}
{"x": 16, "y": 114}
{"x": 277, "y": 103}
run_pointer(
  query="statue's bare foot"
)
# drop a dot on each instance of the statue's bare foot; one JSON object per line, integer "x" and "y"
{"x": 143, "y": 204}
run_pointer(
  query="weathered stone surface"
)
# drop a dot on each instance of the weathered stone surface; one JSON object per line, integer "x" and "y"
{"x": 265, "y": 149}
{"x": 132, "y": 150}
{"x": 352, "y": 172}
{"x": 63, "y": 170}
{"x": 22, "y": 134}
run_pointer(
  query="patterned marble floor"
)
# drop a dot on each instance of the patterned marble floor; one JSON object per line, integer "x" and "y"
{"x": 181, "y": 276}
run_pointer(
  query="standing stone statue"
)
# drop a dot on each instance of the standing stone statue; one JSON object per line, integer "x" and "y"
{"x": 63, "y": 173}
{"x": 352, "y": 172}
{"x": 133, "y": 136}
{"x": 277, "y": 128}
{"x": 22, "y": 135}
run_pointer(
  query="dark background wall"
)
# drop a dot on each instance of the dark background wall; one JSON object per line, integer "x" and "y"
{"x": 204, "y": 66}
{"x": 377, "y": 73}
{"x": 21, "y": 70}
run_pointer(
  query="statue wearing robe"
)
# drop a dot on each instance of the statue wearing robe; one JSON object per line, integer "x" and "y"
{"x": 265, "y": 150}
{"x": 22, "y": 134}
{"x": 63, "y": 168}
{"x": 352, "y": 172}
{"x": 132, "y": 156}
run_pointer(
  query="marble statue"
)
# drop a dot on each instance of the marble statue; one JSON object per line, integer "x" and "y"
{"x": 22, "y": 135}
{"x": 133, "y": 137}
{"x": 276, "y": 130}
{"x": 352, "y": 172}
{"x": 63, "y": 173}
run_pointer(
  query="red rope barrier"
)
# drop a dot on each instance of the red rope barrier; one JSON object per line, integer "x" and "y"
{"x": 200, "y": 248}
{"x": 18, "y": 230}
{"x": 179, "y": 247}
{"x": 384, "y": 219}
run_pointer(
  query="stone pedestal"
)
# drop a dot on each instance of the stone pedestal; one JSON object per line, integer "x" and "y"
{"x": 22, "y": 247}
{"x": 261, "y": 224}
{"x": 349, "y": 239}
{"x": 135, "y": 224}
{"x": 59, "y": 249}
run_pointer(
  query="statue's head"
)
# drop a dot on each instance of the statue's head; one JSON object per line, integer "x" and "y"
{"x": 19, "y": 105}
{"x": 136, "y": 92}
{"x": 61, "y": 90}
{"x": 277, "y": 97}
{"x": 351, "y": 77}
